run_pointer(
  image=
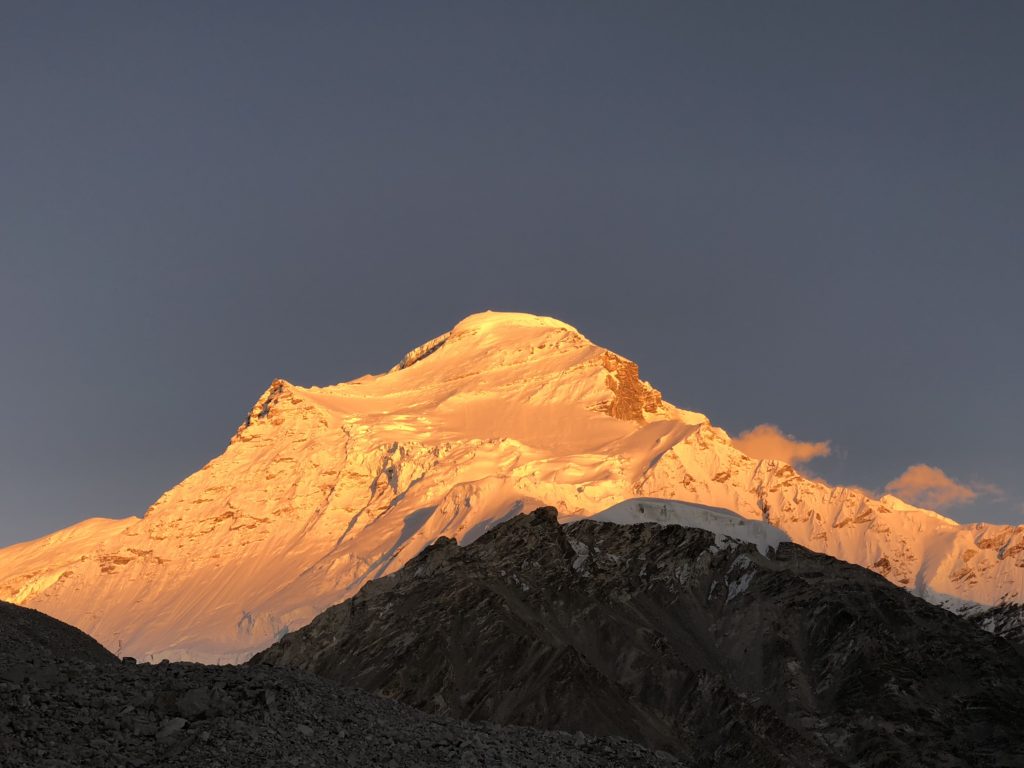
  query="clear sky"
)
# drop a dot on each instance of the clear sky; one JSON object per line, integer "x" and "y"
{"x": 809, "y": 215}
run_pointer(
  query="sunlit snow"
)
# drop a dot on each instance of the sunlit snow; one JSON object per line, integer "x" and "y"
{"x": 324, "y": 488}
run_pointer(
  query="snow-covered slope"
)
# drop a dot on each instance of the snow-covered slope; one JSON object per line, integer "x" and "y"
{"x": 324, "y": 488}
{"x": 721, "y": 522}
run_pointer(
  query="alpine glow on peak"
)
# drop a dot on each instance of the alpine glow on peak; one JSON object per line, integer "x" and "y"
{"x": 324, "y": 488}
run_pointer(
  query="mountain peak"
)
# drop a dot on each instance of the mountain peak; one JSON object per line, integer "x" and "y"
{"x": 490, "y": 329}
{"x": 499, "y": 332}
{"x": 489, "y": 319}
{"x": 324, "y": 488}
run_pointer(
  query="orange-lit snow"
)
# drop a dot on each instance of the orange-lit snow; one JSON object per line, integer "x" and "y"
{"x": 324, "y": 488}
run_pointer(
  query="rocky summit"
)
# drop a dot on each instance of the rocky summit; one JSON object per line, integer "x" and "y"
{"x": 65, "y": 702}
{"x": 683, "y": 639}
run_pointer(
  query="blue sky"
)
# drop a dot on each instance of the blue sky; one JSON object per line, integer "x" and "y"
{"x": 799, "y": 214}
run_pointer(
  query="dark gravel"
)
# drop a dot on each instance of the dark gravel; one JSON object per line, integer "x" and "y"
{"x": 64, "y": 701}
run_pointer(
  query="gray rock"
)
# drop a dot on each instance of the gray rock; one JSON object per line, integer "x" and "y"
{"x": 195, "y": 703}
{"x": 171, "y": 729}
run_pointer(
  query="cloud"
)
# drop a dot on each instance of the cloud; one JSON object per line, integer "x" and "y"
{"x": 767, "y": 441}
{"x": 989, "y": 489}
{"x": 932, "y": 488}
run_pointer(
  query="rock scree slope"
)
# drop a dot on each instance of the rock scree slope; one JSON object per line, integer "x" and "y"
{"x": 65, "y": 702}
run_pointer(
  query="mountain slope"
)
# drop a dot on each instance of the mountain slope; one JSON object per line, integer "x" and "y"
{"x": 28, "y": 636}
{"x": 325, "y": 488}
{"x": 66, "y": 702}
{"x": 1004, "y": 620}
{"x": 678, "y": 639}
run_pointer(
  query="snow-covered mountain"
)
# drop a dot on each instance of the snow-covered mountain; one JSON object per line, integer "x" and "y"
{"x": 322, "y": 489}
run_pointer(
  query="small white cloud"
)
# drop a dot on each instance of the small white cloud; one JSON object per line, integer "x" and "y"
{"x": 767, "y": 441}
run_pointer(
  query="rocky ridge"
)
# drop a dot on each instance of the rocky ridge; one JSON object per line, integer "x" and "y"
{"x": 679, "y": 638}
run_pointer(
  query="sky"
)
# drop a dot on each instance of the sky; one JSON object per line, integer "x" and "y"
{"x": 802, "y": 219}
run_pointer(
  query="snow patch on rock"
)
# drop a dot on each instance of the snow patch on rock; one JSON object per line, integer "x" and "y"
{"x": 721, "y": 522}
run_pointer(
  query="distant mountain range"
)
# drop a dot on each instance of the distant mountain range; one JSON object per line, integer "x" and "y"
{"x": 323, "y": 489}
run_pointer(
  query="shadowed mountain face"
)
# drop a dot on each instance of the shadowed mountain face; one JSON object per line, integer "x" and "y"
{"x": 1003, "y": 620}
{"x": 681, "y": 639}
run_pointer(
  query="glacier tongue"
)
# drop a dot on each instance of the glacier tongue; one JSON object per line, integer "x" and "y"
{"x": 323, "y": 488}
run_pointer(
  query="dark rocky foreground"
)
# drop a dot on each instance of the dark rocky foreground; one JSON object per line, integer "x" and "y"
{"x": 678, "y": 640}
{"x": 65, "y": 701}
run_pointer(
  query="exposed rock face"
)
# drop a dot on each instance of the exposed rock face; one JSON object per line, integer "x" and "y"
{"x": 66, "y": 702}
{"x": 631, "y": 398}
{"x": 682, "y": 639}
{"x": 422, "y": 351}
